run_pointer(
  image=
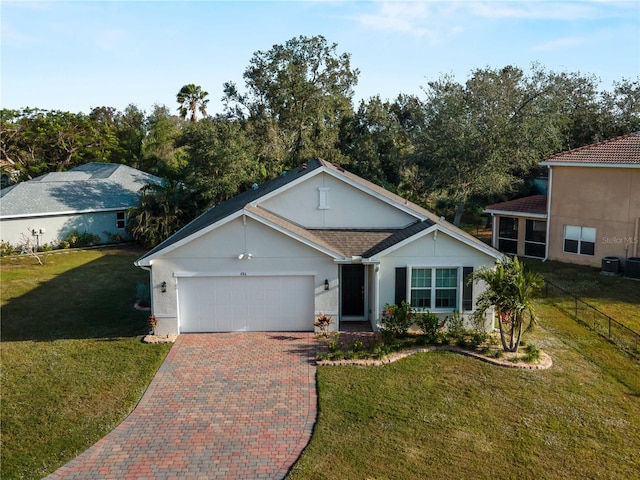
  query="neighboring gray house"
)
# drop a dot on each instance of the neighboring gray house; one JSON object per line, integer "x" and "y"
{"x": 318, "y": 239}
{"x": 91, "y": 198}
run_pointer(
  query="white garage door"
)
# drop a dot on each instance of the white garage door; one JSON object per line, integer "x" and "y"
{"x": 259, "y": 304}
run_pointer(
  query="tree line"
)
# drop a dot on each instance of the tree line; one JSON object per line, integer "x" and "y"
{"x": 454, "y": 148}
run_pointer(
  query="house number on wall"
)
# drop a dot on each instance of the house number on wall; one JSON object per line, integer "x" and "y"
{"x": 243, "y": 274}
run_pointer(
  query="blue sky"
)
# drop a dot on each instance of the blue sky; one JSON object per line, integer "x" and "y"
{"x": 82, "y": 54}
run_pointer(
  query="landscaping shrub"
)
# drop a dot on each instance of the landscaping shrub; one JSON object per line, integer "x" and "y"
{"x": 356, "y": 346}
{"x": 455, "y": 325}
{"x": 532, "y": 353}
{"x": 397, "y": 319}
{"x": 429, "y": 323}
{"x": 77, "y": 239}
{"x": 7, "y": 249}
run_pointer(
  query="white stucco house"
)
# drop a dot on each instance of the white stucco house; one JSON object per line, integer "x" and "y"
{"x": 93, "y": 198}
{"x": 317, "y": 239}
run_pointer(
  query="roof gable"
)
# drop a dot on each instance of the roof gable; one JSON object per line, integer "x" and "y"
{"x": 621, "y": 151}
{"x": 337, "y": 242}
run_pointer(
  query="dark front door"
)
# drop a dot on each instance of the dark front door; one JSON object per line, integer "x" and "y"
{"x": 352, "y": 291}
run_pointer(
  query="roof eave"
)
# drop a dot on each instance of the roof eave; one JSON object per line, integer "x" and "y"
{"x": 514, "y": 213}
{"x": 551, "y": 163}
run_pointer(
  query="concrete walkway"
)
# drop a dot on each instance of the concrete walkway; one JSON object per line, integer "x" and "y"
{"x": 224, "y": 405}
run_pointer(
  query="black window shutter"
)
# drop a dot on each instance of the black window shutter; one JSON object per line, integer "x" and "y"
{"x": 401, "y": 285}
{"x": 467, "y": 289}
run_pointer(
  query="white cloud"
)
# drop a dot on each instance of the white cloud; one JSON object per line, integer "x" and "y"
{"x": 559, "y": 44}
{"x": 431, "y": 20}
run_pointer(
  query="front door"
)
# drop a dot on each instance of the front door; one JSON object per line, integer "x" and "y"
{"x": 352, "y": 288}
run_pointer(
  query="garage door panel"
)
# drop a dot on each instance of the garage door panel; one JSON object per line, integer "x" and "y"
{"x": 251, "y": 303}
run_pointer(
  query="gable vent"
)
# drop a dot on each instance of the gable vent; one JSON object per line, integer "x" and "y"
{"x": 323, "y": 198}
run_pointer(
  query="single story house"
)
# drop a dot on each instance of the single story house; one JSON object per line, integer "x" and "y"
{"x": 93, "y": 198}
{"x": 591, "y": 209}
{"x": 316, "y": 239}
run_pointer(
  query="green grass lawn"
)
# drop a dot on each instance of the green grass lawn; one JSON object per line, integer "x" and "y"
{"x": 73, "y": 365}
{"x": 615, "y": 296}
{"x": 442, "y": 415}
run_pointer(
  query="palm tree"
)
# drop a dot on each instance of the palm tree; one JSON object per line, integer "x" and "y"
{"x": 159, "y": 214}
{"x": 510, "y": 289}
{"x": 192, "y": 99}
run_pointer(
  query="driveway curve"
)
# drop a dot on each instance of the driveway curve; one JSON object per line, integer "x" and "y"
{"x": 223, "y": 405}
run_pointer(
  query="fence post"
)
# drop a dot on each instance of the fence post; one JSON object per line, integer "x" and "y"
{"x": 575, "y": 315}
{"x": 609, "y": 318}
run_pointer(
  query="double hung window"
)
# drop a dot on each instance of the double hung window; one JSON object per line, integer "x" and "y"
{"x": 580, "y": 240}
{"x": 434, "y": 288}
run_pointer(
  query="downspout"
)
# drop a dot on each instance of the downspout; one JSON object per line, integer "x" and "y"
{"x": 635, "y": 237}
{"x": 549, "y": 190}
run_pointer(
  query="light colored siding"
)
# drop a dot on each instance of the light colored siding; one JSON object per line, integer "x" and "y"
{"x": 607, "y": 199}
{"x": 349, "y": 207}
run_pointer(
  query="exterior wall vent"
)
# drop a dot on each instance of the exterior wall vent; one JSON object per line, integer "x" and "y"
{"x": 323, "y": 198}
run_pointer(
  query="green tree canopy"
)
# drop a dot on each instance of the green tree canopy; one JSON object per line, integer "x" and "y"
{"x": 296, "y": 98}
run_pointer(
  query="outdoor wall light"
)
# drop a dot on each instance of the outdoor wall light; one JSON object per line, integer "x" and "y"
{"x": 326, "y": 284}
{"x": 245, "y": 256}
{"x": 163, "y": 287}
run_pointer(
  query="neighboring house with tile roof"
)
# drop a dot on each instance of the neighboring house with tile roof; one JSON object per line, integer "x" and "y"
{"x": 317, "y": 239}
{"x": 93, "y": 198}
{"x": 591, "y": 210}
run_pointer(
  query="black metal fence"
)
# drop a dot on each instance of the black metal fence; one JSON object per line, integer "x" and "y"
{"x": 589, "y": 316}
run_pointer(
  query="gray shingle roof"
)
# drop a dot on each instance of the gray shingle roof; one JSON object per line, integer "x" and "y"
{"x": 88, "y": 188}
{"x": 342, "y": 243}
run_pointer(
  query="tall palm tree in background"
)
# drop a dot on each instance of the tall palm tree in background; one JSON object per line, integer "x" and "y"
{"x": 192, "y": 99}
{"x": 511, "y": 290}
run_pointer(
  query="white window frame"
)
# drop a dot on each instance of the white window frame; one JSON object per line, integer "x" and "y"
{"x": 581, "y": 235}
{"x": 433, "y": 289}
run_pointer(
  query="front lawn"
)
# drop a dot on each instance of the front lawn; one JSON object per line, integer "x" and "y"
{"x": 73, "y": 365}
{"x": 443, "y": 415}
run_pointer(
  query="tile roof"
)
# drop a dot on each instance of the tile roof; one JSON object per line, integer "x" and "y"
{"x": 535, "y": 204}
{"x": 87, "y": 188}
{"x": 619, "y": 151}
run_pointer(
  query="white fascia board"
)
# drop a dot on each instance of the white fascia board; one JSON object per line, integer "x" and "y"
{"x": 373, "y": 193}
{"x": 516, "y": 214}
{"x": 290, "y": 234}
{"x": 590, "y": 164}
{"x": 146, "y": 262}
{"x": 60, "y": 214}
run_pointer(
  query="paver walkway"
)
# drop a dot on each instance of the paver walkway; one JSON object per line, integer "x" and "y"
{"x": 224, "y": 405}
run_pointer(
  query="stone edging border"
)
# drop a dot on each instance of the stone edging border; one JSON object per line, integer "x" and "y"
{"x": 544, "y": 363}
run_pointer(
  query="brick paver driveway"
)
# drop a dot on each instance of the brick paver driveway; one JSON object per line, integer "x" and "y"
{"x": 224, "y": 405}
